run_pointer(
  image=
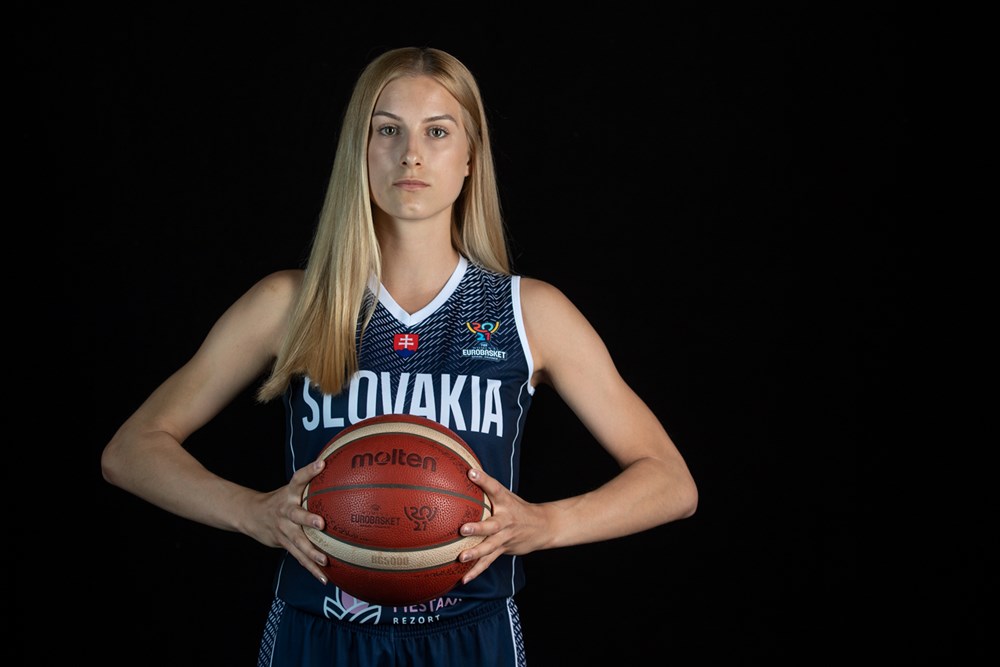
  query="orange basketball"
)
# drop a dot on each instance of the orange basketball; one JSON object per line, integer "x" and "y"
{"x": 394, "y": 493}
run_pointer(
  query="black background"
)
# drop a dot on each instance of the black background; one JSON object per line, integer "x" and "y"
{"x": 717, "y": 191}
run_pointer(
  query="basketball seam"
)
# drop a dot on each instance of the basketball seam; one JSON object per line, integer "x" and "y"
{"x": 361, "y": 556}
{"x": 387, "y": 485}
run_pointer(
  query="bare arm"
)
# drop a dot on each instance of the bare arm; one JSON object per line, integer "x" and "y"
{"x": 654, "y": 486}
{"x": 146, "y": 455}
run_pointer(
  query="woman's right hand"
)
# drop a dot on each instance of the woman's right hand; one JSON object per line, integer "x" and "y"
{"x": 279, "y": 519}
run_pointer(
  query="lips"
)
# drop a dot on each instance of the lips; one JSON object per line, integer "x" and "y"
{"x": 410, "y": 184}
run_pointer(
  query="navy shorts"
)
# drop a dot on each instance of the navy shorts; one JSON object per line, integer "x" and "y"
{"x": 487, "y": 637}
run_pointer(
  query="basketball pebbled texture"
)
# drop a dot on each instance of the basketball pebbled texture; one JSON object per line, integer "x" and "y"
{"x": 394, "y": 493}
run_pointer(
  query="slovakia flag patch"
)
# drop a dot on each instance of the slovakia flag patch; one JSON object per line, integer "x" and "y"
{"x": 405, "y": 344}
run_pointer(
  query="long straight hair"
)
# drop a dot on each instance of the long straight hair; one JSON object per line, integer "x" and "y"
{"x": 331, "y": 310}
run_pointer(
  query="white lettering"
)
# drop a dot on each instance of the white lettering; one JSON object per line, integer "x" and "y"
{"x": 388, "y": 407}
{"x": 310, "y": 423}
{"x": 368, "y": 390}
{"x": 474, "y": 424}
{"x": 492, "y": 409}
{"x": 354, "y": 403}
{"x": 481, "y": 352}
{"x": 329, "y": 421}
{"x": 422, "y": 403}
{"x": 449, "y": 402}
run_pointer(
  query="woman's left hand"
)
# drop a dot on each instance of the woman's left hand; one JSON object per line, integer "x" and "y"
{"x": 516, "y": 527}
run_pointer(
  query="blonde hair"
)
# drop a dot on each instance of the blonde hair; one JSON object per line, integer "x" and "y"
{"x": 331, "y": 312}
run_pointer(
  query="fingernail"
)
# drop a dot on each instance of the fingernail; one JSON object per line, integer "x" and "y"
{"x": 467, "y": 530}
{"x": 323, "y": 580}
{"x": 317, "y": 524}
{"x": 474, "y": 474}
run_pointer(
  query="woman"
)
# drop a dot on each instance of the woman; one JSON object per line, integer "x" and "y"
{"x": 409, "y": 267}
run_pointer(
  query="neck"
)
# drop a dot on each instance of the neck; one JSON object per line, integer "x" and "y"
{"x": 417, "y": 260}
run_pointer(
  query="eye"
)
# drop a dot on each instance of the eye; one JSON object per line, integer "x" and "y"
{"x": 388, "y": 130}
{"x": 438, "y": 132}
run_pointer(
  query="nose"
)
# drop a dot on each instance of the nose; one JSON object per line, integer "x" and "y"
{"x": 411, "y": 156}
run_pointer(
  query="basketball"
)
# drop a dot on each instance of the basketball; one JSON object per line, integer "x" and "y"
{"x": 394, "y": 493}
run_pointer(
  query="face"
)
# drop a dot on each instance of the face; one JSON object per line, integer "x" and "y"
{"x": 418, "y": 154}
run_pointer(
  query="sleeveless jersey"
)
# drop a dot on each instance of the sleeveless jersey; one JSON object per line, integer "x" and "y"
{"x": 463, "y": 361}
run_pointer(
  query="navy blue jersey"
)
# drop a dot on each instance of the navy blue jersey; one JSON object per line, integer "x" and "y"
{"x": 462, "y": 361}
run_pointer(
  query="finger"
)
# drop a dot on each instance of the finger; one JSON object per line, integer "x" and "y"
{"x": 305, "y": 474}
{"x": 313, "y": 561}
{"x": 481, "y": 550}
{"x": 300, "y": 480}
{"x": 305, "y": 518}
{"x": 488, "y": 484}
{"x": 308, "y": 555}
{"x": 486, "y": 527}
{"x": 480, "y": 477}
{"x": 479, "y": 567}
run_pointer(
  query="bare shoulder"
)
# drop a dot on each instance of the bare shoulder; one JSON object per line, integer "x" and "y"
{"x": 274, "y": 293}
{"x": 558, "y": 333}
{"x": 544, "y": 304}
{"x": 280, "y": 285}
{"x": 263, "y": 311}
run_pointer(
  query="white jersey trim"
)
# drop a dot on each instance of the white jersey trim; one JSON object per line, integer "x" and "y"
{"x": 408, "y": 320}
{"x": 515, "y": 293}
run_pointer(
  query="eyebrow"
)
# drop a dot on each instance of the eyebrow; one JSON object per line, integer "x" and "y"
{"x": 429, "y": 119}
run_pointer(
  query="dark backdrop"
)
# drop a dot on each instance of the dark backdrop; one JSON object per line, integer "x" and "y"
{"x": 717, "y": 192}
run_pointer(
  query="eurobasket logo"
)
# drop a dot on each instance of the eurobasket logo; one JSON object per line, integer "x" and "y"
{"x": 405, "y": 344}
{"x": 483, "y": 346}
